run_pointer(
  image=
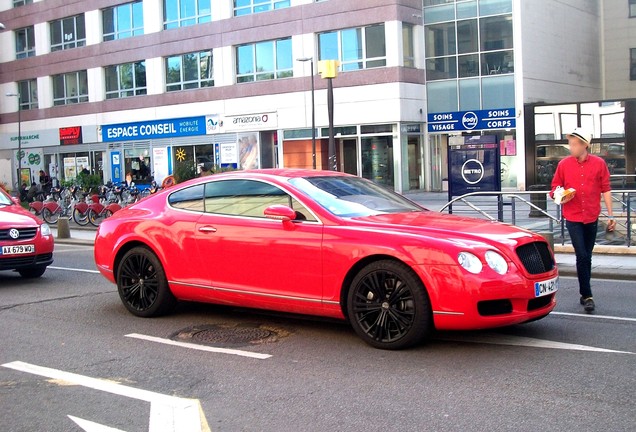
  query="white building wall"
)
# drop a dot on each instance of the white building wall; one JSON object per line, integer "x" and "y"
{"x": 619, "y": 36}
{"x": 561, "y": 43}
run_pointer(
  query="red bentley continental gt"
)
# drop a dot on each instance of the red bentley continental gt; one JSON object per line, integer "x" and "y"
{"x": 329, "y": 244}
{"x": 26, "y": 244}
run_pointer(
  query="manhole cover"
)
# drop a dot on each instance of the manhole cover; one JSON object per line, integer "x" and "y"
{"x": 227, "y": 335}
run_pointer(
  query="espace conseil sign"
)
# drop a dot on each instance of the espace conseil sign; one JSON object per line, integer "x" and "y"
{"x": 472, "y": 120}
{"x": 169, "y": 128}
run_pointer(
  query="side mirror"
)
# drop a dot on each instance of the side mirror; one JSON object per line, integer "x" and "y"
{"x": 280, "y": 212}
{"x": 16, "y": 200}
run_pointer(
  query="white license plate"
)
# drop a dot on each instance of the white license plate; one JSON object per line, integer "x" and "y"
{"x": 546, "y": 287}
{"x": 18, "y": 250}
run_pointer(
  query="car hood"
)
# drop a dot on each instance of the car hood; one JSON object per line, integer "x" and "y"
{"x": 450, "y": 227}
{"x": 15, "y": 216}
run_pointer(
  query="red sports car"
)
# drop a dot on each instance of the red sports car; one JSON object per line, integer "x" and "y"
{"x": 26, "y": 244}
{"x": 328, "y": 244}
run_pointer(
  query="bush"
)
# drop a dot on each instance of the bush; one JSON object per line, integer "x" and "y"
{"x": 88, "y": 182}
{"x": 184, "y": 171}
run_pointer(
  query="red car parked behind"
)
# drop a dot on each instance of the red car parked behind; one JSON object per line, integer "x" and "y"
{"x": 26, "y": 243}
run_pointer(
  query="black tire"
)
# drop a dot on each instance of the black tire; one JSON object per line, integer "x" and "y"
{"x": 388, "y": 306}
{"x": 79, "y": 218}
{"x": 94, "y": 218}
{"x": 50, "y": 217}
{"x": 142, "y": 284}
{"x": 32, "y": 272}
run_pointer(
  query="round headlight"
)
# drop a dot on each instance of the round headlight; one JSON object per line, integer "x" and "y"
{"x": 45, "y": 229}
{"x": 496, "y": 262}
{"x": 470, "y": 262}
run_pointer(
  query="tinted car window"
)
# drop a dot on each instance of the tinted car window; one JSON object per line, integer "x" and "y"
{"x": 353, "y": 196}
{"x": 248, "y": 198}
{"x": 190, "y": 198}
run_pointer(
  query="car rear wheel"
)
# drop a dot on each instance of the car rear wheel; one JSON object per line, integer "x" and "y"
{"x": 32, "y": 272}
{"x": 142, "y": 284}
{"x": 388, "y": 306}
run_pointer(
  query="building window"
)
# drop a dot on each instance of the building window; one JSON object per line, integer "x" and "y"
{"x": 632, "y": 64}
{"x": 28, "y": 90}
{"x": 264, "y": 61}
{"x": 125, "y": 80}
{"x": 24, "y": 42}
{"x": 632, "y": 8}
{"x": 68, "y": 33}
{"x": 356, "y": 48}
{"x": 248, "y": 7}
{"x": 70, "y": 88}
{"x": 17, "y": 3}
{"x": 123, "y": 21}
{"x": 407, "y": 44}
{"x": 189, "y": 71}
{"x": 181, "y": 13}
{"x": 496, "y": 33}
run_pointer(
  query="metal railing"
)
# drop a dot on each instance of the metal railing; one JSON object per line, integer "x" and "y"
{"x": 535, "y": 211}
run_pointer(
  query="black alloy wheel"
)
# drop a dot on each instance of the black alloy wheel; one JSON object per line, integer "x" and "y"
{"x": 142, "y": 284}
{"x": 388, "y": 306}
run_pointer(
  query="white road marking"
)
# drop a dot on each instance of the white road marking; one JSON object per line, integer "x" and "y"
{"x": 499, "y": 339}
{"x": 241, "y": 353}
{"x": 90, "y": 426}
{"x": 605, "y": 317}
{"x": 167, "y": 413}
{"x": 74, "y": 269}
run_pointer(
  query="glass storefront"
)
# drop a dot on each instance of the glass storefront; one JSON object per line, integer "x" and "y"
{"x": 608, "y": 122}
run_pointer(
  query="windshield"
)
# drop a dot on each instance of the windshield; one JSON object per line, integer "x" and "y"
{"x": 353, "y": 196}
{"x": 4, "y": 199}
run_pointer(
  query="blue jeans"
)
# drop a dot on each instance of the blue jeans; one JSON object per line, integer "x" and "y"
{"x": 583, "y": 237}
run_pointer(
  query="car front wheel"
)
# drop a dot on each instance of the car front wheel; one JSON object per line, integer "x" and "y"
{"x": 32, "y": 272}
{"x": 388, "y": 306}
{"x": 142, "y": 284}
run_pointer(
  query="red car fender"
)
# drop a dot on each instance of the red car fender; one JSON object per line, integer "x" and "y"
{"x": 113, "y": 207}
{"x": 81, "y": 207}
{"x": 51, "y": 206}
{"x": 37, "y": 206}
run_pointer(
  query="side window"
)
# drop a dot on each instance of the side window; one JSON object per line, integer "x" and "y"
{"x": 248, "y": 198}
{"x": 188, "y": 199}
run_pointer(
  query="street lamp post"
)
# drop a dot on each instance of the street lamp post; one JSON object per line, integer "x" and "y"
{"x": 313, "y": 110}
{"x": 329, "y": 70}
{"x": 17, "y": 95}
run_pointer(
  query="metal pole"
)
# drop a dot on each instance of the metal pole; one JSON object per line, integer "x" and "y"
{"x": 19, "y": 144}
{"x": 313, "y": 116}
{"x": 332, "y": 143}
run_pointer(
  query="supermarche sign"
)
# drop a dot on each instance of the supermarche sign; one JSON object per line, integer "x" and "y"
{"x": 169, "y": 128}
{"x": 470, "y": 120}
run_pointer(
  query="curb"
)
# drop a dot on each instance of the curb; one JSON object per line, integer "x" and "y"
{"x": 74, "y": 241}
{"x": 599, "y": 249}
{"x": 619, "y": 274}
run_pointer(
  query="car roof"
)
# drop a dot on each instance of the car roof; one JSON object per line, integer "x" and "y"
{"x": 292, "y": 173}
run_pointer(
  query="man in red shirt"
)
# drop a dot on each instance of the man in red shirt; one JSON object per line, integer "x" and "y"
{"x": 589, "y": 176}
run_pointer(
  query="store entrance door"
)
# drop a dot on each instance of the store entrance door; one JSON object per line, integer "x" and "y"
{"x": 348, "y": 155}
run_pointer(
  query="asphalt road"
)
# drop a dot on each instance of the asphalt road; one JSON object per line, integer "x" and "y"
{"x": 569, "y": 371}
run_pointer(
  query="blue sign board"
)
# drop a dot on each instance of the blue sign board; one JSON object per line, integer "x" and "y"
{"x": 473, "y": 168}
{"x": 460, "y": 121}
{"x": 169, "y": 128}
{"x": 115, "y": 167}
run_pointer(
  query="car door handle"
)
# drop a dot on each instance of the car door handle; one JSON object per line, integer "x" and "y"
{"x": 207, "y": 229}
